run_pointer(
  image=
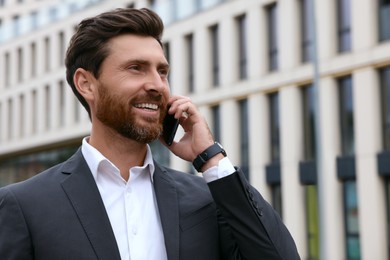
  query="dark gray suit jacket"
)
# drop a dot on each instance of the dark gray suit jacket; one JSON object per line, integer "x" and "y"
{"x": 59, "y": 215}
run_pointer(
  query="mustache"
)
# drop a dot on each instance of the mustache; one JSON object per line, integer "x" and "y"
{"x": 152, "y": 97}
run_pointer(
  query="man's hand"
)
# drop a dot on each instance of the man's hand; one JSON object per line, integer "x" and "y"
{"x": 197, "y": 135}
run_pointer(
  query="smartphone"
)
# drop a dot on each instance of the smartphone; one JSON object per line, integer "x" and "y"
{"x": 170, "y": 126}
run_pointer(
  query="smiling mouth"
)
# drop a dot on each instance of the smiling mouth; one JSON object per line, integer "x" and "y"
{"x": 148, "y": 106}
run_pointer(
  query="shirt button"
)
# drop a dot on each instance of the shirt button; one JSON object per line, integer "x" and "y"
{"x": 134, "y": 231}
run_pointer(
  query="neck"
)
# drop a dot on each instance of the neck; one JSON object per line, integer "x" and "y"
{"x": 124, "y": 153}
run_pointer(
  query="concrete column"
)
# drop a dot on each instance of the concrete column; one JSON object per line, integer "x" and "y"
{"x": 54, "y": 51}
{"x": 27, "y": 61}
{"x": 230, "y": 132}
{"x": 202, "y": 60}
{"x": 178, "y": 64}
{"x": 41, "y": 113}
{"x": 228, "y": 45}
{"x": 13, "y": 67}
{"x": 256, "y": 28}
{"x": 291, "y": 153}
{"x": 331, "y": 202}
{"x": 3, "y": 120}
{"x": 2, "y": 71}
{"x": 259, "y": 145}
{"x": 70, "y": 108}
{"x": 288, "y": 34}
{"x": 15, "y": 118}
{"x": 54, "y": 105}
{"x": 364, "y": 27}
{"x": 326, "y": 19}
{"x": 28, "y": 116}
{"x": 40, "y": 54}
{"x": 371, "y": 193}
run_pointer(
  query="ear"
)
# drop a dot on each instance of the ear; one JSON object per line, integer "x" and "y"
{"x": 85, "y": 83}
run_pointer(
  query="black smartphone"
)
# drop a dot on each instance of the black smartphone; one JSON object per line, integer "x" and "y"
{"x": 170, "y": 126}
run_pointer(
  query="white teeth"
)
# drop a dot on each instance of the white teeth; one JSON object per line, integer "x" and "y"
{"x": 147, "y": 105}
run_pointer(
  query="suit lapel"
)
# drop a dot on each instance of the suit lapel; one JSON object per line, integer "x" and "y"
{"x": 84, "y": 195}
{"x": 168, "y": 207}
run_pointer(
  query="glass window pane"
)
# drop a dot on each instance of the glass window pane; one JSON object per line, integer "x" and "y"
{"x": 344, "y": 25}
{"x": 308, "y": 122}
{"x": 351, "y": 220}
{"x": 385, "y": 102}
{"x": 22, "y": 167}
{"x": 346, "y": 115}
{"x": 276, "y": 191}
{"x": 312, "y": 222}
{"x": 244, "y": 137}
{"x": 272, "y": 37}
{"x": 384, "y": 20}
{"x": 274, "y": 127}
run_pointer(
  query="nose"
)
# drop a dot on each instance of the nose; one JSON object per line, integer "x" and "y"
{"x": 156, "y": 82}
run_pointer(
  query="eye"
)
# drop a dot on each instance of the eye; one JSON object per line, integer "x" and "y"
{"x": 163, "y": 72}
{"x": 135, "y": 67}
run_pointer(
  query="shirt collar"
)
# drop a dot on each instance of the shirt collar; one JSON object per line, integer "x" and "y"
{"x": 94, "y": 158}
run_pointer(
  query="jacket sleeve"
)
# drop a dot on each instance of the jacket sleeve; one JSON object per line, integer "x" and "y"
{"x": 249, "y": 227}
{"x": 14, "y": 236}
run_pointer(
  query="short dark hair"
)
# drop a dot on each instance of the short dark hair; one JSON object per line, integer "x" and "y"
{"x": 88, "y": 46}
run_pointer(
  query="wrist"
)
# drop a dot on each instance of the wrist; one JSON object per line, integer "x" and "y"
{"x": 209, "y": 157}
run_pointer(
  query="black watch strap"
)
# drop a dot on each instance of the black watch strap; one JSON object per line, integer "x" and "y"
{"x": 207, "y": 154}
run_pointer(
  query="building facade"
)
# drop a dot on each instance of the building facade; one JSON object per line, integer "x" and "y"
{"x": 297, "y": 91}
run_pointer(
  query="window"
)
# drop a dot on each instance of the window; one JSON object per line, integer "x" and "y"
{"x": 190, "y": 62}
{"x": 10, "y": 118}
{"x": 47, "y": 54}
{"x": 167, "y": 55}
{"x": 244, "y": 137}
{"x": 34, "y": 111}
{"x": 308, "y": 123}
{"x": 384, "y": 20}
{"x": 21, "y": 115}
{"x": 242, "y": 46}
{"x": 214, "y": 54}
{"x": 34, "y": 20}
{"x": 216, "y": 119}
{"x": 344, "y": 25}
{"x": 273, "y": 169}
{"x": 276, "y": 196}
{"x": 351, "y": 220}
{"x": 346, "y": 116}
{"x": 61, "y": 40}
{"x": 7, "y": 65}
{"x": 387, "y": 189}
{"x": 345, "y": 173}
{"x": 306, "y": 30}
{"x": 385, "y": 96}
{"x": 22, "y": 167}
{"x": 16, "y": 25}
{"x": 312, "y": 222}
{"x": 274, "y": 127}
{"x": 20, "y": 64}
{"x": 47, "y": 107}
{"x": 272, "y": 36}
{"x": 61, "y": 101}
{"x": 33, "y": 59}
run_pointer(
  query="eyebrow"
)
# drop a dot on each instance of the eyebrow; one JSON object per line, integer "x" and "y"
{"x": 164, "y": 65}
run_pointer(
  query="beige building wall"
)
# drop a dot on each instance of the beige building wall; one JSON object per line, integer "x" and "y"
{"x": 38, "y": 109}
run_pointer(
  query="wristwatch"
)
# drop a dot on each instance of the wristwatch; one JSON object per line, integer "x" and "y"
{"x": 207, "y": 154}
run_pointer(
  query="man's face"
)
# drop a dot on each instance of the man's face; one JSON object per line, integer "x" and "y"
{"x": 132, "y": 88}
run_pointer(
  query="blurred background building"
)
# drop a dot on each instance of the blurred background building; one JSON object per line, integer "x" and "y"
{"x": 264, "y": 82}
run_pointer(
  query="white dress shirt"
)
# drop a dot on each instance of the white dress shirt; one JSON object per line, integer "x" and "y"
{"x": 132, "y": 207}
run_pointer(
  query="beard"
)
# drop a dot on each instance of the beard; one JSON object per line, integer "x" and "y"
{"x": 116, "y": 112}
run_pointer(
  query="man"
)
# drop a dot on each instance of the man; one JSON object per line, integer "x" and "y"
{"x": 111, "y": 200}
